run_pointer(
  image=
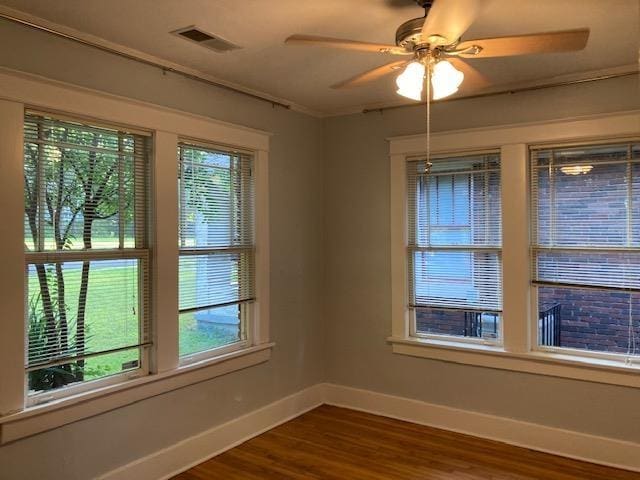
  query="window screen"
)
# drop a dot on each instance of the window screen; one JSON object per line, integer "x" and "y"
{"x": 216, "y": 239}
{"x": 586, "y": 246}
{"x": 454, "y": 259}
{"x": 86, "y": 242}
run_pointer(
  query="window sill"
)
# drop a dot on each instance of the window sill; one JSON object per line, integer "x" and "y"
{"x": 40, "y": 418}
{"x": 553, "y": 364}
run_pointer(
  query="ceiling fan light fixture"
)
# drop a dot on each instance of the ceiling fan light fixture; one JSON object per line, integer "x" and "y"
{"x": 411, "y": 80}
{"x": 576, "y": 169}
{"x": 445, "y": 79}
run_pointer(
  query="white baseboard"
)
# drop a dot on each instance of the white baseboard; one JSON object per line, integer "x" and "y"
{"x": 566, "y": 443}
{"x": 177, "y": 458}
{"x": 183, "y": 455}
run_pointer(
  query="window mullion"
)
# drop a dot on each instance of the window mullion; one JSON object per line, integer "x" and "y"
{"x": 165, "y": 267}
{"x": 515, "y": 248}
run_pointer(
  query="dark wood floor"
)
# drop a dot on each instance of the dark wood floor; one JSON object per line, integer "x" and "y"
{"x": 336, "y": 443}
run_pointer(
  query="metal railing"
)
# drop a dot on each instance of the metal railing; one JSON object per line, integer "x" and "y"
{"x": 475, "y": 324}
{"x": 549, "y": 326}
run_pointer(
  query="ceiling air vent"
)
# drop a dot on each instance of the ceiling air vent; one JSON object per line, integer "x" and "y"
{"x": 213, "y": 42}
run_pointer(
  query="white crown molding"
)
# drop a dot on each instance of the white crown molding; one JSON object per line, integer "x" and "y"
{"x": 167, "y": 462}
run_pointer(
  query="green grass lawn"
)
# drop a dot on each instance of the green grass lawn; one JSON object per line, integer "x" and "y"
{"x": 112, "y": 316}
{"x": 194, "y": 339}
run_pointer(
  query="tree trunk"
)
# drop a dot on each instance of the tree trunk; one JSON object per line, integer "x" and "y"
{"x": 88, "y": 215}
{"x": 60, "y": 239}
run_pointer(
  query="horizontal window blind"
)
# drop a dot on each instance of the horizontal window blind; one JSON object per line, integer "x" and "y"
{"x": 454, "y": 229}
{"x": 586, "y": 216}
{"x": 86, "y": 242}
{"x": 216, "y": 237}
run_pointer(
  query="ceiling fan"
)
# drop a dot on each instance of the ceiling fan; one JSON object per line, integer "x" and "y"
{"x": 434, "y": 50}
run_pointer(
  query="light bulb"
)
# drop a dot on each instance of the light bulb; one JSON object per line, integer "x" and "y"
{"x": 576, "y": 169}
{"x": 411, "y": 80}
{"x": 445, "y": 79}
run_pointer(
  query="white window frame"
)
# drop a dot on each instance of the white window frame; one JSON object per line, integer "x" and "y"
{"x": 411, "y": 312}
{"x": 519, "y": 350}
{"x": 248, "y": 312}
{"x": 595, "y": 354}
{"x": 19, "y": 91}
{"x": 133, "y": 253}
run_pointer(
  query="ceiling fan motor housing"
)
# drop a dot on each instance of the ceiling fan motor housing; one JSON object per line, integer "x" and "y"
{"x": 409, "y": 34}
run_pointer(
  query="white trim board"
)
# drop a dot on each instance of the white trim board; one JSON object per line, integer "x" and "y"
{"x": 566, "y": 443}
{"x": 177, "y": 458}
{"x": 606, "y": 125}
{"x": 187, "y": 453}
{"x": 54, "y": 414}
{"x": 42, "y": 93}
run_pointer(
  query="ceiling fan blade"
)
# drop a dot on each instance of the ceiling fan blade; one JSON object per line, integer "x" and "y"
{"x": 473, "y": 79}
{"x": 371, "y": 75}
{"x": 342, "y": 43}
{"x": 402, "y": 3}
{"x": 564, "y": 41}
{"x": 448, "y": 20}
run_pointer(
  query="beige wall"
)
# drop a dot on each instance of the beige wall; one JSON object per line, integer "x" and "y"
{"x": 357, "y": 272}
{"x": 90, "y": 447}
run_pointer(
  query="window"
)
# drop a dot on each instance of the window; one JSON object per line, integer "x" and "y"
{"x": 116, "y": 288}
{"x": 555, "y": 275}
{"x": 87, "y": 252}
{"x": 216, "y": 240}
{"x": 586, "y": 246}
{"x": 454, "y": 261}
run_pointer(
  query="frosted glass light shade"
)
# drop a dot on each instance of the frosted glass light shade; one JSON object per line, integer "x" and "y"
{"x": 445, "y": 79}
{"x": 411, "y": 80}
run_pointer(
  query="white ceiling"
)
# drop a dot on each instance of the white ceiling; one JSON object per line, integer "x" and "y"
{"x": 302, "y": 75}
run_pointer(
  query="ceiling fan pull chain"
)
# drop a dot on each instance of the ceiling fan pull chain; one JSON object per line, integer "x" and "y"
{"x": 428, "y": 115}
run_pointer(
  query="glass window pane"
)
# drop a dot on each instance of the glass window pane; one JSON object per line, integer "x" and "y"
{"x": 604, "y": 269}
{"x": 204, "y": 330}
{"x": 454, "y": 235}
{"x": 82, "y": 308}
{"x": 586, "y": 200}
{"x": 456, "y": 279}
{"x": 471, "y": 324}
{"x": 588, "y": 319}
{"x": 82, "y": 185}
{"x": 216, "y": 276}
{"x": 216, "y": 193}
{"x": 207, "y": 280}
{"x": 74, "y": 373}
{"x": 85, "y": 190}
